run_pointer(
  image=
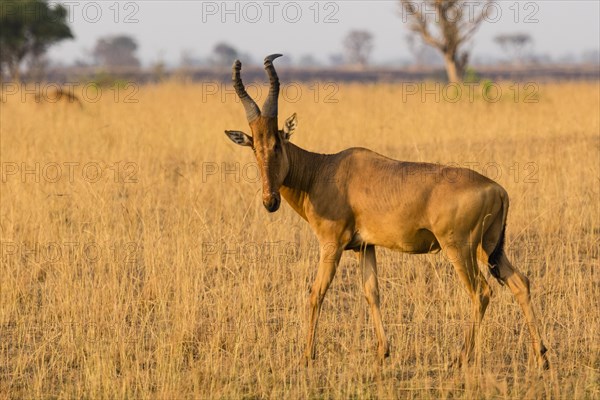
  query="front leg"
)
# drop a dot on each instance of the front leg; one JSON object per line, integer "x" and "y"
{"x": 329, "y": 258}
{"x": 368, "y": 265}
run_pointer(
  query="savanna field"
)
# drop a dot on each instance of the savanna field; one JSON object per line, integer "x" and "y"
{"x": 139, "y": 262}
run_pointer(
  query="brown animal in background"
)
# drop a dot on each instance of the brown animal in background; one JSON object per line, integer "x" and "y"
{"x": 358, "y": 199}
{"x": 56, "y": 95}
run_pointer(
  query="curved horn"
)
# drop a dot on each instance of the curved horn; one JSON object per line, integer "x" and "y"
{"x": 252, "y": 110}
{"x": 270, "y": 106}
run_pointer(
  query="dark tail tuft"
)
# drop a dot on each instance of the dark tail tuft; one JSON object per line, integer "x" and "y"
{"x": 496, "y": 255}
{"x": 498, "y": 252}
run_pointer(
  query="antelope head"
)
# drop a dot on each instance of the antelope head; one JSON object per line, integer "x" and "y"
{"x": 267, "y": 141}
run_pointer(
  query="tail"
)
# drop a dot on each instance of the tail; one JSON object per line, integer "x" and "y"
{"x": 498, "y": 252}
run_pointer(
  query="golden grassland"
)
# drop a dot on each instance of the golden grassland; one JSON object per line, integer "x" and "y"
{"x": 138, "y": 260}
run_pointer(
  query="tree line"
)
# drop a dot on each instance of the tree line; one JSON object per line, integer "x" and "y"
{"x": 30, "y": 27}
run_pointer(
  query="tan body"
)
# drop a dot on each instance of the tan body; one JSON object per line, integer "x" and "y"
{"x": 418, "y": 202}
{"x": 358, "y": 199}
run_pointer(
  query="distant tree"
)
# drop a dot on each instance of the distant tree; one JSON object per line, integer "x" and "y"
{"x": 591, "y": 57}
{"x": 336, "y": 59}
{"x": 189, "y": 60}
{"x": 567, "y": 58}
{"x": 308, "y": 60}
{"x": 159, "y": 67}
{"x": 446, "y": 25}
{"x": 224, "y": 54}
{"x": 37, "y": 67}
{"x": 116, "y": 51}
{"x": 514, "y": 44}
{"x": 80, "y": 63}
{"x": 422, "y": 53}
{"x": 28, "y": 29}
{"x": 358, "y": 46}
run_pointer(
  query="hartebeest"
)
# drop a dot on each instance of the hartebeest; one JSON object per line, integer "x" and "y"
{"x": 358, "y": 199}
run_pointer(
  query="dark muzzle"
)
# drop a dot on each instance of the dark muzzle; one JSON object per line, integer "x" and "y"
{"x": 273, "y": 202}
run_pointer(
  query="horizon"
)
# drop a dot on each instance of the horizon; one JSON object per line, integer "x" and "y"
{"x": 314, "y": 28}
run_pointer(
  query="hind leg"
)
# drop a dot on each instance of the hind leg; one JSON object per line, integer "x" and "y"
{"x": 519, "y": 286}
{"x": 464, "y": 259}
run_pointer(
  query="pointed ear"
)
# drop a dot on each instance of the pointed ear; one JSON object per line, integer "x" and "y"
{"x": 240, "y": 138}
{"x": 290, "y": 126}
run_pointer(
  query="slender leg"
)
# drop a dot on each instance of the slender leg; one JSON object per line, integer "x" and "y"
{"x": 368, "y": 265}
{"x": 519, "y": 286}
{"x": 465, "y": 263}
{"x": 328, "y": 262}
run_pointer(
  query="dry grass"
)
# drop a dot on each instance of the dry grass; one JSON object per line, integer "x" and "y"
{"x": 169, "y": 281}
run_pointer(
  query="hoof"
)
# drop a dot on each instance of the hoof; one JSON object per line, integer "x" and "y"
{"x": 543, "y": 360}
{"x": 457, "y": 362}
{"x": 306, "y": 360}
{"x": 383, "y": 353}
{"x": 303, "y": 363}
{"x": 545, "y": 365}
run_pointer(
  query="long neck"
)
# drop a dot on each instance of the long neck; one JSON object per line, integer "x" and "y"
{"x": 305, "y": 168}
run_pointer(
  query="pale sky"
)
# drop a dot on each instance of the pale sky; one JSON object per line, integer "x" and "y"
{"x": 164, "y": 29}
